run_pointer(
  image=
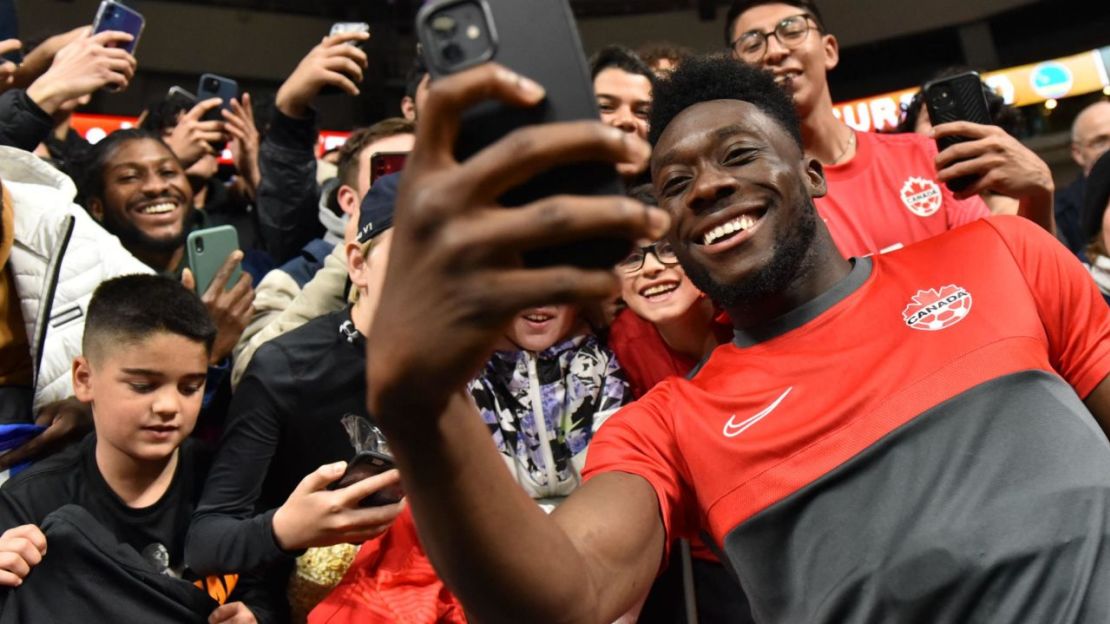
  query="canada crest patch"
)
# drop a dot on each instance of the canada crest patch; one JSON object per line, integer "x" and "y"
{"x": 937, "y": 308}
{"x": 921, "y": 196}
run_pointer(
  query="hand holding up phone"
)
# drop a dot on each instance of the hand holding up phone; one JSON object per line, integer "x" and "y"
{"x": 192, "y": 138}
{"x": 314, "y": 515}
{"x": 333, "y": 63}
{"x": 230, "y": 302}
{"x": 84, "y": 66}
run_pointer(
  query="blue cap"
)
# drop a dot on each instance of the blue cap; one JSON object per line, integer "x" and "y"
{"x": 376, "y": 214}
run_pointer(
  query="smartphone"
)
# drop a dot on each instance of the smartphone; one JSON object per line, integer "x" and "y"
{"x": 385, "y": 163}
{"x": 210, "y": 86}
{"x": 538, "y": 39}
{"x": 956, "y": 98}
{"x": 364, "y": 465}
{"x": 207, "y": 250}
{"x": 113, "y": 15}
{"x": 181, "y": 98}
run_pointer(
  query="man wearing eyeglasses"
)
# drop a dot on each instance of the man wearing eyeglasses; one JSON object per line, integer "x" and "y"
{"x": 885, "y": 191}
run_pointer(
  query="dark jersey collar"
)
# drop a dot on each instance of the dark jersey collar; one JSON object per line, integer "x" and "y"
{"x": 861, "y": 270}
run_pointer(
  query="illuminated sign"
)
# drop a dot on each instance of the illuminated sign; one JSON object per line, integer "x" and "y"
{"x": 1019, "y": 86}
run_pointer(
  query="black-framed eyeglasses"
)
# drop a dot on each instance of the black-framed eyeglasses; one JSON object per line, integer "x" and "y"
{"x": 791, "y": 32}
{"x": 663, "y": 251}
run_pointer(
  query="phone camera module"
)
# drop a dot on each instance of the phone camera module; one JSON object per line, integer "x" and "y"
{"x": 444, "y": 26}
{"x": 198, "y": 245}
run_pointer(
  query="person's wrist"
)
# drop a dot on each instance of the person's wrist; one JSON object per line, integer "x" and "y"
{"x": 280, "y": 530}
{"x": 292, "y": 105}
{"x": 48, "y": 95}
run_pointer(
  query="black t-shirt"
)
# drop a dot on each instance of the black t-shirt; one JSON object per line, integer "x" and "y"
{"x": 156, "y": 532}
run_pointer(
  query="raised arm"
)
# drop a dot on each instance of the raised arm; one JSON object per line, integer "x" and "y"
{"x": 455, "y": 279}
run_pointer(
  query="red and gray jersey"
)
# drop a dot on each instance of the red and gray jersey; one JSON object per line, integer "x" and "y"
{"x": 909, "y": 446}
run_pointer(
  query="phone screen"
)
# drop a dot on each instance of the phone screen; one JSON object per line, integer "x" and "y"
{"x": 385, "y": 163}
{"x": 115, "y": 16}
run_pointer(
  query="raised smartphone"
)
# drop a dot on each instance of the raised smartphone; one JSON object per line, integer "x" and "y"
{"x": 346, "y": 27}
{"x": 180, "y": 97}
{"x": 113, "y": 15}
{"x": 364, "y": 465}
{"x": 211, "y": 86}
{"x": 956, "y": 98}
{"x": 207, "y": 250}
{"x": 385, "y": 163}
{"x": 538, "y": 39}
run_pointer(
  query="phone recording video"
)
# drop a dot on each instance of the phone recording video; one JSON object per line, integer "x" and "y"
{"x": 385, "y": 163}
{"x": 956, "y": 98}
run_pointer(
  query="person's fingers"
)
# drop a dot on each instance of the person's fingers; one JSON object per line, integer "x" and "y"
{"x": 345, "y": 66}
{"x": 968, "y": 129}
{"x": 448, "y": 97}
{"x": 10, "y": 45}
{"x": 33, "y": 537}
{"x": 7, "y": 579}
{"x": 359, "y": 490}
{"x": 227, "y": 614}
{"x": 971, "y": 167}
{"x": 248, "y": 107}
{"x": 342, "y": 82}
{"x": 965, "y": 150}
{"x": 219, "y": 281}
{"x": 30, "y": 449}
{"x": 320, "y": 478}
{"x": 187, "y": 280}
{"x": 111, "y": 37}
{"x": 207, "y": 138}
{"x": 559, "y": 220}
{"x": 201, "y": 108}
{"x": 344, "y": 37}
{"x": 241, "y": 290}
{"x": 528, "y": 151}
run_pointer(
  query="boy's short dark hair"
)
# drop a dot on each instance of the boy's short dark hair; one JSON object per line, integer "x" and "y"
{"x": 740, "y": 6}
{"x": 652, "y": 53}
{"x": 718, "y": 77}
{"x": 127, "y": 309}
{"x": 90, "y": 181}
{"x": 163, "y": 115}
{"x": 359, "y": 139}
{"x": 621, "y": 58}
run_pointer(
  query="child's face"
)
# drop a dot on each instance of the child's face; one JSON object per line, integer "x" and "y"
{"x": 145, "y": 395}
{"x": 536, "y": 329}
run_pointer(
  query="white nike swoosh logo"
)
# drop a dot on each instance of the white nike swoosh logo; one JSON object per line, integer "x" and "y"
{"x": 733, "y": 429}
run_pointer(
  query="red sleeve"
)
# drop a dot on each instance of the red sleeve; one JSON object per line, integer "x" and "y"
{"x": 640, "y": 440}
{"x": 1076, "y": 318}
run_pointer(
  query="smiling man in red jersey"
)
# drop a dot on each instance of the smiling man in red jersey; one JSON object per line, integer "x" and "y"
{"x": 904, "y": 437}
{"x": 885, "y": 191}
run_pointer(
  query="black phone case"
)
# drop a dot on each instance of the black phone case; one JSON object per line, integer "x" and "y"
{"x": 364, "y": 465}
{"x": 969, "y": 105}
{"x": 538, "y": 39}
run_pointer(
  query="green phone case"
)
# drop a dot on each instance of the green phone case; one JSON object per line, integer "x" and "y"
{"x": 207, "y": 250}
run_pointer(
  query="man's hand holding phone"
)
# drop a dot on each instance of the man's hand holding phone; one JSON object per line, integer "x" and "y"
{"x": 332, "y": 63}
{"x": 454, "y": 248}
{"x": 999, "y": 163}
{"x": 231, "y": 310}
{"x": 84, "y": 66}
{"x": 315, "y": 515}
{"x": 192, "y": 138}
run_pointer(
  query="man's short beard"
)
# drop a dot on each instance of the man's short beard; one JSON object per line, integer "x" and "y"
{"x": 134, "y": 238}
{"x": 790, "y": 258}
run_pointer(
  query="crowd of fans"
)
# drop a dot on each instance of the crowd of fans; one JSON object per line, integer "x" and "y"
{"x": 173, "y": 455}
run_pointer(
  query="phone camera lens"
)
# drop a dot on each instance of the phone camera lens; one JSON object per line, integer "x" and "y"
{"x": 198, "y": 245}
{"x": 453, "y": 53}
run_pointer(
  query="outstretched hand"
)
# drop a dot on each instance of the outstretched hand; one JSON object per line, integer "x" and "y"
{"x": 332, "y": 63}
{"x": 455, "y": 276}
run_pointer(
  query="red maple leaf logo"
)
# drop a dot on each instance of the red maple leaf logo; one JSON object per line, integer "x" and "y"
{"x": 937, "y": 308}
{"x": 921, "y": 196}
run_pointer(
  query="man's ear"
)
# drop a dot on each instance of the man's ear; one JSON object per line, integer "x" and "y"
{"x": 815, "y": 177}
{"x": 832, "y": 51}
{"x": 348, "y": 201}
{"x": 357, "y": 265}
{"x": 82, "y": 379}
{"x": 96, "y": 209}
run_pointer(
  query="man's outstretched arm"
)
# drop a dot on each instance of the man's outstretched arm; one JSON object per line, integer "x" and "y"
{"x": 455, "y": 280}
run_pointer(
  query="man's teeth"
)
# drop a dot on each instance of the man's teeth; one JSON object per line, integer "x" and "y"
{"x": 659, "y": 289}
{"x": 159, "y": 208}
{"x": 739, "y": 224}
{"x": 537, "y": 318}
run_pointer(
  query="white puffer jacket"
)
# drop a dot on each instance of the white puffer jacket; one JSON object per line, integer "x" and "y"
{"x": 51, "y": 229}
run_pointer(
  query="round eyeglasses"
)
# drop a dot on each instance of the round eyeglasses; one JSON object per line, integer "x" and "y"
{"x": 791, "y": 32}
{"x": 663, "y": 251}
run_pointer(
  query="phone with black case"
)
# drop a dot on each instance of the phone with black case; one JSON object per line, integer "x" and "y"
{"x": 537, "y": 39}
{"x": 956, "y": 98}
{"x": 364, "y": 465}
